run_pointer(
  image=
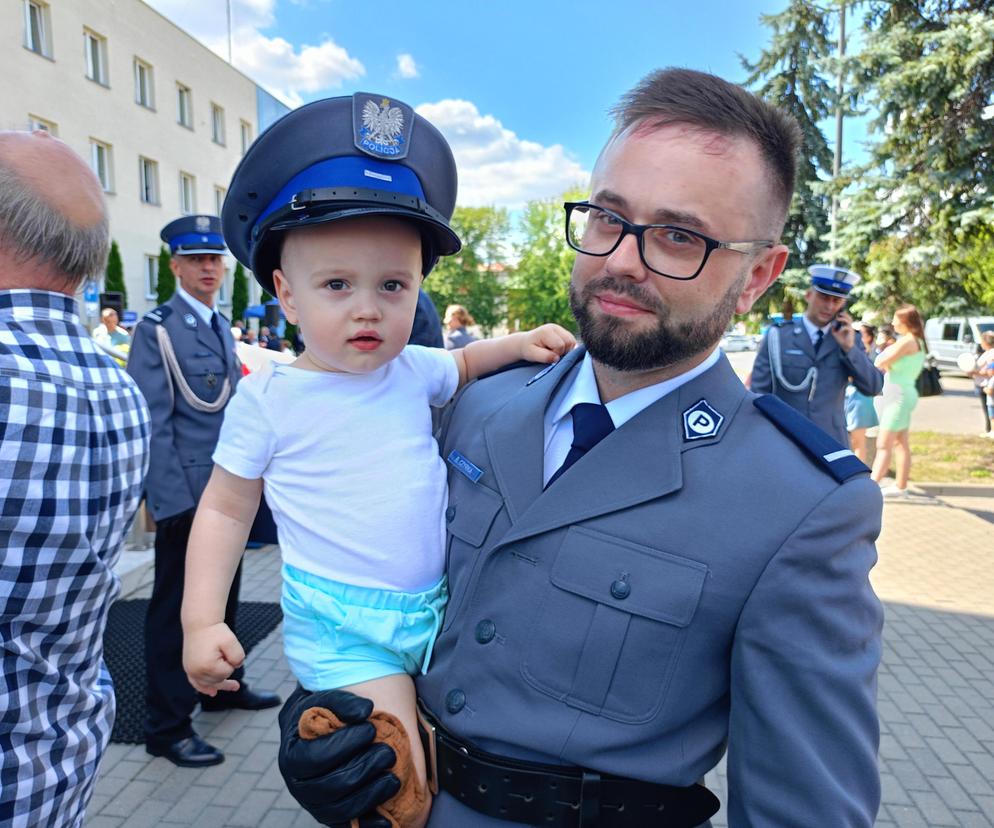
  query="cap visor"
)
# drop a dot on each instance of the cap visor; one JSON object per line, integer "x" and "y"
{"x": 831, "y": 292}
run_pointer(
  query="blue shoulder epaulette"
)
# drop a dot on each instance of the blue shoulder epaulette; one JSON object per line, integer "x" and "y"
{"x": 158, "y": 315}
{"x": 827, "y": 453}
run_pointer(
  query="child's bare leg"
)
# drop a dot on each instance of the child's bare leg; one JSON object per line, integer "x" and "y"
{"x": 393, "y": 695}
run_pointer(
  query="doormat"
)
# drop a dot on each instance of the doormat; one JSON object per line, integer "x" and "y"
{"x": 124, "y": 653}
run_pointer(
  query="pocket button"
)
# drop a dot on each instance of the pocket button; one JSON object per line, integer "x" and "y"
{"x": 450, "y": 514}
{"x": 485, "y": 631}
{"x": 455, "y": 700}
{"x": 620, "y": 590}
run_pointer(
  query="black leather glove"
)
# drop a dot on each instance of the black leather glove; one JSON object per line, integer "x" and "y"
{"x": 343, "y": 775}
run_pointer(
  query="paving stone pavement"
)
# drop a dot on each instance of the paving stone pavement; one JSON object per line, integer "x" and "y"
{"x": 936, "y": 578}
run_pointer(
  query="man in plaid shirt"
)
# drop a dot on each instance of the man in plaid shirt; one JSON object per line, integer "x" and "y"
{"x": 74, "y": 433}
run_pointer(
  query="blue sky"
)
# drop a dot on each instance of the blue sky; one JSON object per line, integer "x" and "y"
{"x": 520, "y": 89}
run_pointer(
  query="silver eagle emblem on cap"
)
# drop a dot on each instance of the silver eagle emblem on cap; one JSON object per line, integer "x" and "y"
{"x": 382, "y": 123}
{"x": 203, "y": 224}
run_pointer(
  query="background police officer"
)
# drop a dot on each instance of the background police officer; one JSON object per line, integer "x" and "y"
{"x": 183, "y": 359}
{"x": 808, "y": 362}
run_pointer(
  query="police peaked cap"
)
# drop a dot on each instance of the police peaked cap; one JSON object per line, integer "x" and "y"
{"x": 189, "y": 235}
{"x": 835, "y": 281}
{"x": 339, "y": 158}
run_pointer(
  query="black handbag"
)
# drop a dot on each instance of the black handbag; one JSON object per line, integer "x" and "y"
{"x": 928, "y": 384}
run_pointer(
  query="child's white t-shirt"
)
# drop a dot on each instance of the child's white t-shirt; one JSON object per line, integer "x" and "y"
{"x": 351, "y": 469}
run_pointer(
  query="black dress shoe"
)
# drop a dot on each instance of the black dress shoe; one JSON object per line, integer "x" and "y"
{"x": 192, "y": 752}
{"x": 242, "y": 699}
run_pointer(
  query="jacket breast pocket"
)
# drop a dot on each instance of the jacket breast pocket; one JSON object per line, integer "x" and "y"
{"x": 469, "y": 517}
{"x": 611, "y": 625}
{"x": 205, "y": 377}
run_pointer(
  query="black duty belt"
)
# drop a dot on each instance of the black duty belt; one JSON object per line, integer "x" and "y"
{"x": 553, "y": 795}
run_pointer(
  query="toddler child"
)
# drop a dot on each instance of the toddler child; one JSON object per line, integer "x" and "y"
{"x": 340, "y": 440}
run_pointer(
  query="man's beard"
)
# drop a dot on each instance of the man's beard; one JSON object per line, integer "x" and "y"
{"x": 610, "y": 342}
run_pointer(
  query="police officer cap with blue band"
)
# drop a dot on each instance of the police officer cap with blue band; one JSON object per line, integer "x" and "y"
{"x": 190, "y": 235}
{"x": 835, "y": 281}
{"x": 341, "y": 158}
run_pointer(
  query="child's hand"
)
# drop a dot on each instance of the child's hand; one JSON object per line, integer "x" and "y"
{"x": 546, "y": 343}
{"x": 210, "y": 655}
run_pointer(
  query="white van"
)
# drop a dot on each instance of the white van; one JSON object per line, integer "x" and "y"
{"x": 950, "y": 336}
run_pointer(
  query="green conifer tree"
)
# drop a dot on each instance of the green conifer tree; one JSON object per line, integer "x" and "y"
{"x": 165, "y": 283}
{"x": 114, "y": 275}
{"x": 239, "y": 293}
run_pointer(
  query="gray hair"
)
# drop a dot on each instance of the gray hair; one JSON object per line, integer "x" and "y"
{"x": 35, "y": 232}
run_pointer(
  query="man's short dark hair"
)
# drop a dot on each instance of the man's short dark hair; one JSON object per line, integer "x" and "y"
{"x": 712, "y": 104}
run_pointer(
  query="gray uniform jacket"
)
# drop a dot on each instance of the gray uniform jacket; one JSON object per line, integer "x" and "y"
{"x": 749, "y": 618}
{"x": 826, "y": 408}
{"x": 183, "y": 437}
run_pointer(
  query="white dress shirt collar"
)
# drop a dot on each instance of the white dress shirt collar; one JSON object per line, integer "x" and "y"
{"x": 812, "y": 329}
{"x": 584, "y": 389}
{"x": 199, "y": 307}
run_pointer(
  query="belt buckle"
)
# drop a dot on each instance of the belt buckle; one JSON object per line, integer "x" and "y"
{"x": 432, "y": 758}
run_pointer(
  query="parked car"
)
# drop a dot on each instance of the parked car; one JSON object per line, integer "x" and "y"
{"x": 950, "y": 336}
{"x": 737, "y": 342}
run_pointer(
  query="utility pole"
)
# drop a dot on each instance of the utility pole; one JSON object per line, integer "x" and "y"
{"x": 837, "y": 160}
{"x": 228, "y": 3}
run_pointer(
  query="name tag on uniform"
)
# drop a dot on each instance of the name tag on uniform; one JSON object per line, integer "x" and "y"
{"x": 793, "y": 351}
{"x": 474, "y": 473}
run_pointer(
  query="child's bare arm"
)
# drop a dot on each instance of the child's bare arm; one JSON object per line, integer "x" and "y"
{"x": 220, "y": 530}
{"x": 546, "y": 343}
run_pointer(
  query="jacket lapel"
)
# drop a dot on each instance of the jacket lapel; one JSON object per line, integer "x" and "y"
{"x": 515, "y": 438}
{"x": 802, "y": 341}
{"x": 205, "y": 334}
{"x": 638, "y": 462}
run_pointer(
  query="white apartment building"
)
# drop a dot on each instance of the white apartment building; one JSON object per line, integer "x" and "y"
{"x": 162, "y": 119}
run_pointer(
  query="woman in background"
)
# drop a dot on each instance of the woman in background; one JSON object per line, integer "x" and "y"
{"x": 902, "y": 363}
{"x": 457, "y": 318}
{"x": 860, "y": 413}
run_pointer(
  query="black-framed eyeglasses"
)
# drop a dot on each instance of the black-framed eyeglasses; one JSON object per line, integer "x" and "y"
{"x": 671, "y": 251}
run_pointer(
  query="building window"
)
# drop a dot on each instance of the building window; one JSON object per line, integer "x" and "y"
{"x": 144, "y": 88}
{"x": 36, "y": 28}
{"x": 148, "y": 180}
{"x": 187, "y": 193}
{"x": 246, "y": 136}
{"x": 217, "y": 124}
{"x": 34, "y": 122}
{"x": 100, "y": 161}
{"x": 151, "y": 276}
{"x": 184, "y": 106}
{"x": 96, "y": 56}
{"x": 219, "y": 194}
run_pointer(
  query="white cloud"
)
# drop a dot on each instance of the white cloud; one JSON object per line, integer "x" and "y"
{"x": 495, "y": 165}
{"x": 406, "y": 67}
{"x": 278, "y": 65}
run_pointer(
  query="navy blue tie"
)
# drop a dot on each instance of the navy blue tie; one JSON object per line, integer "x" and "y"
{"x": 591, "y": 424}
{"x": 819, "y": 336}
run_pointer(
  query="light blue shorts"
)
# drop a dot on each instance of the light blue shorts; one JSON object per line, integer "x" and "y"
{"x": 337, "y": 634}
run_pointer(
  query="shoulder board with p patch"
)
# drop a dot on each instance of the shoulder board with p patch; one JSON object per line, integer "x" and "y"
{"x": 158, "y": 315}
{"x": 827, "y": 453}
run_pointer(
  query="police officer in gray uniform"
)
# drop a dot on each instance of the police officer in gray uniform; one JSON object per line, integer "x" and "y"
{"x": 183, "y": 359}
{"x": 808, "y": 362}
{"x": 646, "y": 561}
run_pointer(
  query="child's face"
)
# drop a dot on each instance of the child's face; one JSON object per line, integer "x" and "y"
{"x": 352, "y": 286}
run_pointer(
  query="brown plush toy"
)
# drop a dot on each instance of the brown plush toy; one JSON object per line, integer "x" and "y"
{"x": 404, "y": 809}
